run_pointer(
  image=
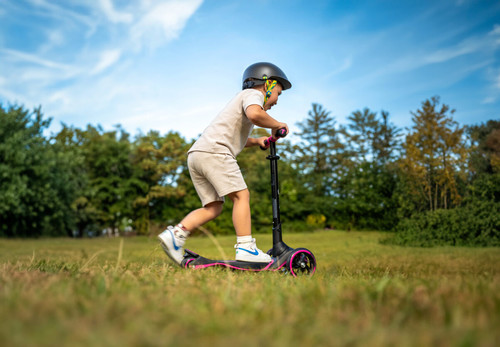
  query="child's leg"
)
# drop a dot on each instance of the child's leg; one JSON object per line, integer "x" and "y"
{"x": 173, "y": 238}
{"x": 241, "y": 212}
{"x": 246, "y": 249}
{"x": 202, "y": 215}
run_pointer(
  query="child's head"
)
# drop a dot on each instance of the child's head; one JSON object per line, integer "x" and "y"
{"x": 269, "y": 79}
{"x": 257, "y": 74}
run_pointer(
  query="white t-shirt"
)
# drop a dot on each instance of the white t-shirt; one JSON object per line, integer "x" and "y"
{"x": 229, "y": 131}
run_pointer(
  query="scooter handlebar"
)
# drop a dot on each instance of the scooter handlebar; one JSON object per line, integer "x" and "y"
{"x": 279, "y": 133}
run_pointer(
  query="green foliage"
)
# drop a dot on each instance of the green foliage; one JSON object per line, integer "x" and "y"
{"x": 36, "y": 184}
{"x": 484, "y": 155}
{"x": 367, "y": 198}
{"x": 359, "y": 176}
{"x": 364, "y": 176}
{"x": 476, "y": 221}
{"x": 160, "y": 165}
{"x": 475, "y": 224}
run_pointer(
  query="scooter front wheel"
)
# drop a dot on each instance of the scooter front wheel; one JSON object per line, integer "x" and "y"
{"x": 301, "y": 263}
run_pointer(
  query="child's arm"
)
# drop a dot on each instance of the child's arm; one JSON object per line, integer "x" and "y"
{"x": 262, "y": 119}
{"x": 256, "y": 141}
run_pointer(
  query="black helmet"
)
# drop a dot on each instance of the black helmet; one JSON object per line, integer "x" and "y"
{"x": 258, "y": 70}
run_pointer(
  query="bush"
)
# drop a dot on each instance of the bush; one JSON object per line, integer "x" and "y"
{"x": 316, "y": 221}
{"x": 475, "y": 224}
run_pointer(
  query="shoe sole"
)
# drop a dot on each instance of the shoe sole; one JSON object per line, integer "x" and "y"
{"x": 254, "y": 260}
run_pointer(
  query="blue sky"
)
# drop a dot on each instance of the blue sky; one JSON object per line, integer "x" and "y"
{"x": 173, "y": 64}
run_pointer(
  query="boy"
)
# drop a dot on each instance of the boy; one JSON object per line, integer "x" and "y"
{"x": 213, "y": 167}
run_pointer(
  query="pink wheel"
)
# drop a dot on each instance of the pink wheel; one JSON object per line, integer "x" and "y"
{"x": 302, "y": 263}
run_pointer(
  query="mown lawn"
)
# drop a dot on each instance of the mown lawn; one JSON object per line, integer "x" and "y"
{"x": 125, "y": 292}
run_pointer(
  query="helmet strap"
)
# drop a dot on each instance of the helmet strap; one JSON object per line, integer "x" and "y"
{"x": 270, "y": 84}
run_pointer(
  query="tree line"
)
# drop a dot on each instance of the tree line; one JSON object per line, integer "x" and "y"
{"x": 435, "y": 182}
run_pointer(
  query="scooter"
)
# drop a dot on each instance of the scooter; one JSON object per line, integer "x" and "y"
{"x": 293, "y": 261}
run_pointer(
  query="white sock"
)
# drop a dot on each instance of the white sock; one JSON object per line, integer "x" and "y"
{"x": 244, "y": 239}
{"x": 185, "y": 233}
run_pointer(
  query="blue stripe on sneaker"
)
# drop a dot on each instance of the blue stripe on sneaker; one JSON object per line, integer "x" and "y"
{"x": 256, "y": 252}
{"x": 173, "y": 241}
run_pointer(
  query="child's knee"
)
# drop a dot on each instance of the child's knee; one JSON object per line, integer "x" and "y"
{"x": 242, "y": 195}
{"x": 215, "y": 208}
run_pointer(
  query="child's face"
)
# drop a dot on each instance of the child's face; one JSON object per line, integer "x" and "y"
{"x": 273, "y": 99}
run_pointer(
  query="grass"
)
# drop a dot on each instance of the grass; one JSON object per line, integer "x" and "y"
{"x": 124, "y": 292}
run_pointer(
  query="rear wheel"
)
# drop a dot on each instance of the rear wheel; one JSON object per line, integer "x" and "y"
{"x": 301, "y": 263}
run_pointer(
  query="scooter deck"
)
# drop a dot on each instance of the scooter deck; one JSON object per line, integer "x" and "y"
{"x": 193, "y": 260}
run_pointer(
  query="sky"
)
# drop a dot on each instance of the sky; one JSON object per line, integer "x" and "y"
{"x": 172, "y": 65}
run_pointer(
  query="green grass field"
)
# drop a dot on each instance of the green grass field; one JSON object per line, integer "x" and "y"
{"x": 125, "y": 292}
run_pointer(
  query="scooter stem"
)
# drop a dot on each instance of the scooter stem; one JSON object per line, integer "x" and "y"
{"x": 278, "y": 245}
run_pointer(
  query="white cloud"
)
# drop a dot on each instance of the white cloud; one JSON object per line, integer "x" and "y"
{"x": 496, "y": 34}
{"x": 448, "y": 53}
{"x": 55, "y": 38}
{"x": 60, "y": 97}
{"x": 163, "y": 22}
{"x": 17, "y": 56}
{"x": 113, "y": 15}
{"x": 496, "y": 30}
{"x": 108, "y": 58}
{"x": 81, "y": 77}
{"x": 494, "y": 88}
{"x": 6, "y": 95}
{"x": 48, "y": 9}
{"x": 29, "y": 74}
{"x": 164, "y": 117}
{"x": 488, "y": 100}
{"x": 346, "y": 65}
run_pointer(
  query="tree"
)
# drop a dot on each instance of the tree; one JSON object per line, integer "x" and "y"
{"x": 159, "y": 162}
{"x": 315, "y": 159}
{"x": 361, "y": 133}
{"x": 386, "y": 140}
{"x": 485, "y": 148}
{"x": 475, "y": 222}
{"x": 433, "y": 159}
{"x": 113, "y": 182}
{"x": 365, "y": 190}
{"x": 71, "y": 141}
{"x": 370, "y": 138}
{"x": 36, "y": 184}
{"x": 484, "y": 162}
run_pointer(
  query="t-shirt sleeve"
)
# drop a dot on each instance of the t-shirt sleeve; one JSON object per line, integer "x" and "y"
{"x": 254, "y": 98}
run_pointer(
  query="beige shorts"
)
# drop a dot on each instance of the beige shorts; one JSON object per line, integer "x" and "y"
{"x": 214, "y": 175}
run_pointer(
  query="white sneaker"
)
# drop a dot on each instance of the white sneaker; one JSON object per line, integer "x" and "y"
{"x": 172, "y": 240}
{"x": 248, "y": 251}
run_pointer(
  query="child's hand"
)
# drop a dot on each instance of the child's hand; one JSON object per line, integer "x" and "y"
{"x": 282, "y": 125}
{"x": 262, "y": 142}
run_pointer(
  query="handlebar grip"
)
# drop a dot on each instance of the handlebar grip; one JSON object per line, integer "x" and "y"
{"x": 279, "y": 133}
{"x": 266, "y": 142}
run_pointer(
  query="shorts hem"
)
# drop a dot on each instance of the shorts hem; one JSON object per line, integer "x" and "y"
{"x": 212, "y": 200}
{"x": 224, "y": 193}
